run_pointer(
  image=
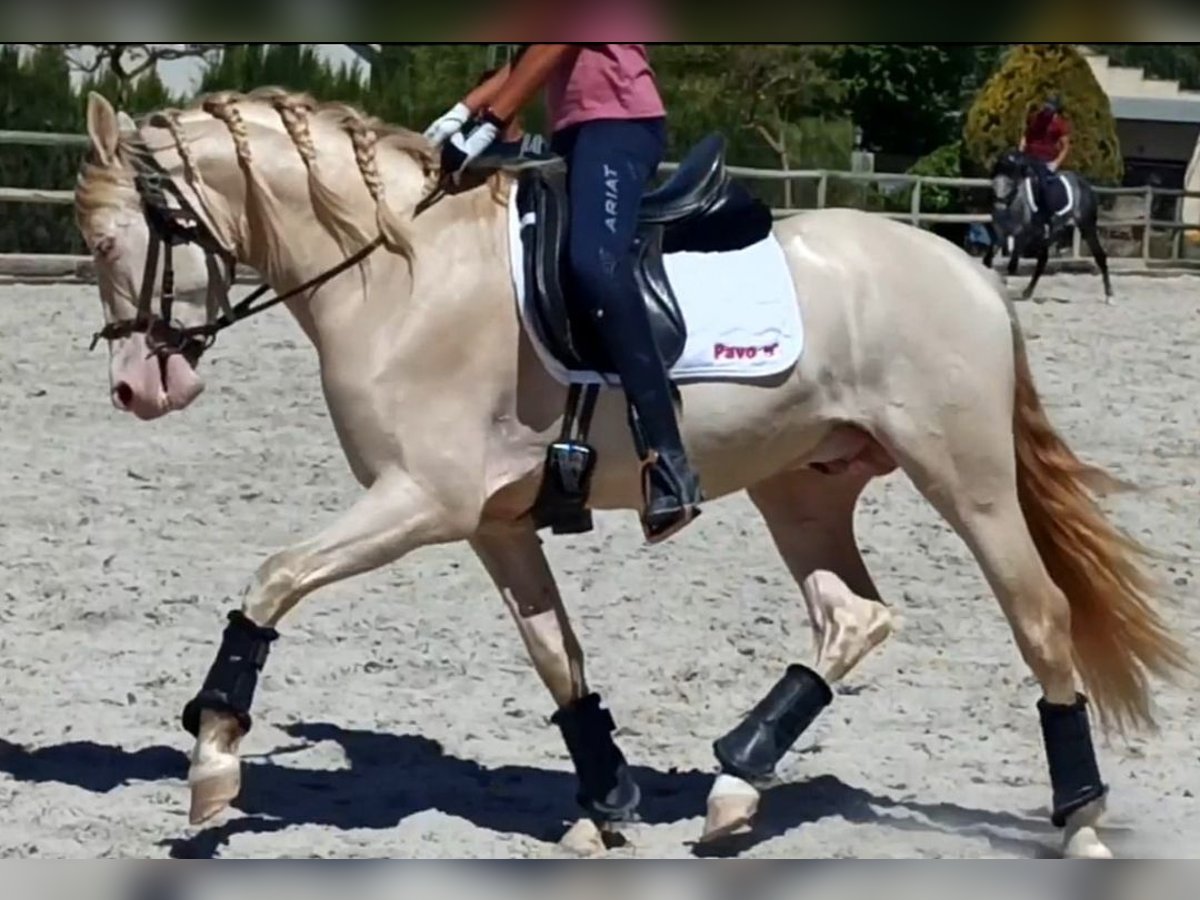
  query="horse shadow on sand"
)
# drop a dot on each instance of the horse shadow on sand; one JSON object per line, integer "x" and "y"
{"x": 391, "y": 777}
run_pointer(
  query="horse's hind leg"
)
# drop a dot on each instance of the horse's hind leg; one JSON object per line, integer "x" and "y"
{"x": 512, "y": 555}
{"x": 1015, "y": 250}
{"x": 811, "y": 519}
{"x": 1092, "y": 236}
{"x": 964, "y": 464}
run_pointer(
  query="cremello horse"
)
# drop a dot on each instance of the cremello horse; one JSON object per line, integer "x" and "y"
{"x": 913, "y": 358}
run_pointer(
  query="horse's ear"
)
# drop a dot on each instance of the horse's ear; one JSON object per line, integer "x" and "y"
{"x": 103, "y": 128}
{"x": 125, "y": 122}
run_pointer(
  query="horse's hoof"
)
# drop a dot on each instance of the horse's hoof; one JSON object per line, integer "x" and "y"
{"x": 584, "y": 839}
{"x": 1080, "y": 840}
{"x": 732, "y": 805}
{"x": 214, "y": 782}
{"x": 1086, "y": 844}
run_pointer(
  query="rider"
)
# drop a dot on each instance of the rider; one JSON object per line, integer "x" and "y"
{"x": 609, "y": 123}
{"x": 1046, "y": 142}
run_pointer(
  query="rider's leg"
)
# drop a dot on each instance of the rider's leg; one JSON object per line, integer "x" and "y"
{"x": 611, "y": 163}
{"x": 1042, "y": 174}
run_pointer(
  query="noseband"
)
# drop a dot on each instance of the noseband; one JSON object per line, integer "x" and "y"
{"x": 175, "y": 225}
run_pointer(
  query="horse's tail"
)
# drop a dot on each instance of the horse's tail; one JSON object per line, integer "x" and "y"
{"x": 1117, "y": 635}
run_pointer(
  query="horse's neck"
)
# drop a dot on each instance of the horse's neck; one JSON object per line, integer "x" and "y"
{"x": 399, "y": 295}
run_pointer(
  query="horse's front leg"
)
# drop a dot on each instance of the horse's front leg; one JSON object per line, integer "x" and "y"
{"x": 1043, "y": 258}
{"x": 1015, "y": 249}
{"x": 989, "y": 255}
{"x": 513, "y": 556}
{"x": 395, "y": 516}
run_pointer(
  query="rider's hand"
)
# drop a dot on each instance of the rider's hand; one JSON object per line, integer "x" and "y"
{"x": 451, "y": 122}
{"x": 463, "y": 148}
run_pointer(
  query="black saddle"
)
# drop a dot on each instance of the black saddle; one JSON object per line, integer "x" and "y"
{"x": 699, "y": 208}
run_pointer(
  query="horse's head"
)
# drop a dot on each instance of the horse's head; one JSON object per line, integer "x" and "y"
{"x": 1007, "y": 173}
{"x": 1008, "y": 217}
{"x": 151, "y": 370}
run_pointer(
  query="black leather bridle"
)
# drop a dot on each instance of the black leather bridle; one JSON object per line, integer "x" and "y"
{"x": 181, "y": 224}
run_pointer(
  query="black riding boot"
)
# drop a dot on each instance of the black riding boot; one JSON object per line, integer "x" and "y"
{"x": 670, "y": 488}
{"x": 1044, "y": 218}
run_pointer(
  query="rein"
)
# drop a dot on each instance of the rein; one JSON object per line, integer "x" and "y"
{"x": 183, "y": 225}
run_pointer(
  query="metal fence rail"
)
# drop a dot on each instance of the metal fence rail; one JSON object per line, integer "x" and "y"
{"x": 67, "y": 266}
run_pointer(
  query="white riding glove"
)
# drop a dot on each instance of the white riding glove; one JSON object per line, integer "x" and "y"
{"x": 451, "y": 122}
{"x": 460, "y": 151}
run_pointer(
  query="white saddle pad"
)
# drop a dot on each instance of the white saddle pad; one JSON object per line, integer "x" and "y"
{"x": 740, "y": 307}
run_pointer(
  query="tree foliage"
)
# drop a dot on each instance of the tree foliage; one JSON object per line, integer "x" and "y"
{"x": 293, "y": 66}
{"x": 1029, "y": 74}
{"x": 124, "y": 67}
{"x": 749, "y": 92}
{"x": 909, "y": 99}
{"x": 36, "y": 95}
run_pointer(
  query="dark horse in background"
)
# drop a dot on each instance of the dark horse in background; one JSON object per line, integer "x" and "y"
{"x": 1016, "y": 201}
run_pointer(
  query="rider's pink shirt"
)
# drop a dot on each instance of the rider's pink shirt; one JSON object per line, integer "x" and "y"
{"x": 605, "y": 81}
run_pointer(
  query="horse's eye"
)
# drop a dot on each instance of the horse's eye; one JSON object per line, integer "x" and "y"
{"x": 104, "y": 246}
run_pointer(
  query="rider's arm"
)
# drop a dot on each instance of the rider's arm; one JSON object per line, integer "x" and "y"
{"x": 1029, "y": 120}
{"x": 1064, "y": 146}
{"x": 528, "y": 74}
{"x": 484, "y": 93}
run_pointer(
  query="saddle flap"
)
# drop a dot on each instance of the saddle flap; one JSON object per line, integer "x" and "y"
{"x": 542, "y": 193}
{"x": 562, "y": 324}
{"x": 666, "y": 318}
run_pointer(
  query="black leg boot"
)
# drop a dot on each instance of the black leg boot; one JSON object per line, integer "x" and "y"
{"x": 1074, "y": 773}
{"x": 607, "y": 791}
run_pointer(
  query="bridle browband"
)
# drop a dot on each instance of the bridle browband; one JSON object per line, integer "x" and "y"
{"x": 174, "y": 226}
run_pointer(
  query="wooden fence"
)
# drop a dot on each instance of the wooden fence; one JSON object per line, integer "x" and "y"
{"x": 72, "y": 267}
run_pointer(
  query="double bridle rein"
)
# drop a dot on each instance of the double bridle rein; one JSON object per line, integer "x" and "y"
{"x": 181, "y": 224}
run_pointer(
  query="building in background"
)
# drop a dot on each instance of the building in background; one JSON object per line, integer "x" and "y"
{"x": 1158, "y": 123}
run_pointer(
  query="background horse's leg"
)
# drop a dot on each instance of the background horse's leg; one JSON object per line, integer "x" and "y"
{"x": 989, "y": 254}
{"x": 1091, "y": 235}
{"x": 513, "y": 556}
{"x": 960, "y": 455}
{"x": 1043, "y": 257}
{"x": 1015, "y": 249}
{"x": 394, "y": 517}
{"x": 811, "y": 519}
{"x": 1087, "y": 219}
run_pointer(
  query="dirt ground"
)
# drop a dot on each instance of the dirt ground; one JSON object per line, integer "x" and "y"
{"x": 398, "y": 715}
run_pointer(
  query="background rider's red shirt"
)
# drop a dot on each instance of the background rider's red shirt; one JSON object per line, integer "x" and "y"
{"x": 1043, "y": 132}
